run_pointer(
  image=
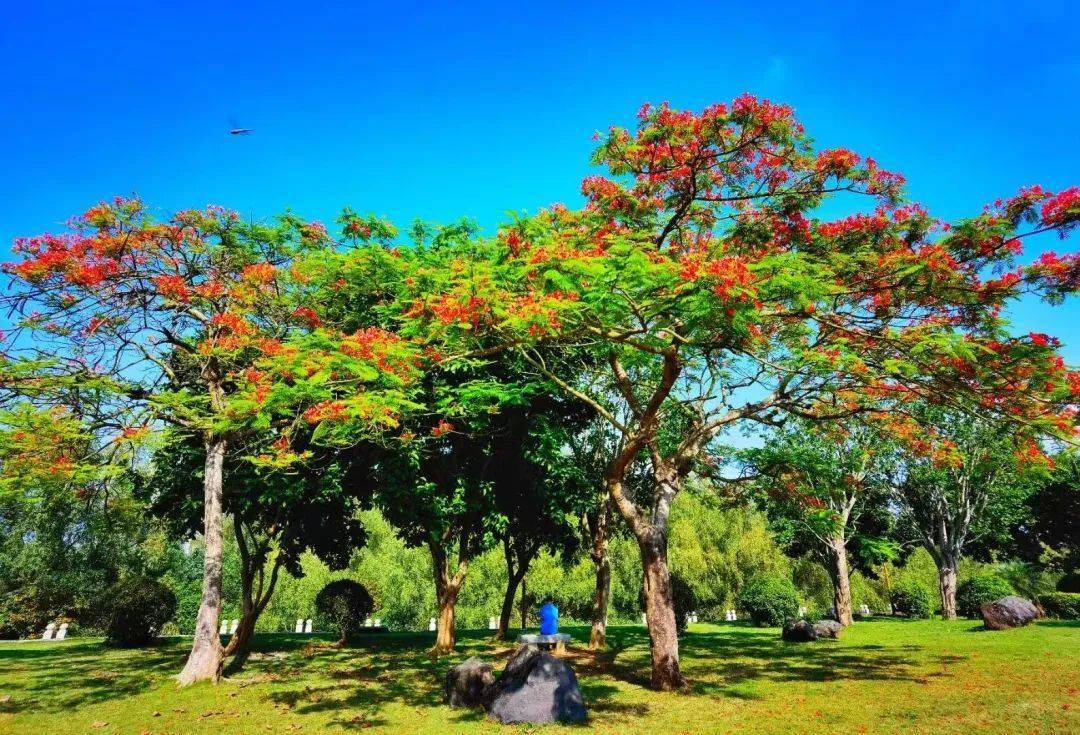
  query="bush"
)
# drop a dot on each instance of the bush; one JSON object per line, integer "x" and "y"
{"x": 770, "y": 601}
{"x": 343, "y": 605}
{"x": 1064, "y": 605}
{"x": 912, "y": 599}
{"x": 979, "y": 589}
{"x": 1070, "y": 582}
{"x": 135, "y": 611}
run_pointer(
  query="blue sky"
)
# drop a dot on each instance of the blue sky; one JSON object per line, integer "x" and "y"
{"x": 445, "y": 110}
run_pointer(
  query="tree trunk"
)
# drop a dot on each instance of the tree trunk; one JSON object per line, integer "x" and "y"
{"x": 601, "y": 595}
{"x": 947, "y": 579}
{"x": 841, "y": 580}
{"x": 445, "y": 637}
{"x": 660, "y": 614}
{"x": 252, "y": 602}
{"x": 602, "y": 592}
{"x": 508, "y": 605}
{"x": 447, "y": 587}
{"x": 240, "y": 641}
{"x": 517, "y": 566}
{"x": 524, "y": 606}
{"x": 204, "y": 661}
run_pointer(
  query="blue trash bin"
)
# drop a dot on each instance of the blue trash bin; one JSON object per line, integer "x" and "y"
{"x": 549, "y": 619}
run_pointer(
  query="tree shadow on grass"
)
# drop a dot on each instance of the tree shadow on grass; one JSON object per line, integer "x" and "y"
{"x": 718, "y": 663}
{"x": 353, "y": 685}
{"x": 57, "y": 677}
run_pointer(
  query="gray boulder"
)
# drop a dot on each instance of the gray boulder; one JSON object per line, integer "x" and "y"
{"x": 1008, "y": 612}
{"x": 828, "y": 629}
{"x": 798, "y": 631}
{"x": 468, "y": 683}
{"x": 536, "y": 687}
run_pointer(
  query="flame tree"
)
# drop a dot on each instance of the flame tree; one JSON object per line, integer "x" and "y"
{"x": 700, "y": 289}
{"x": 186, "y": 325}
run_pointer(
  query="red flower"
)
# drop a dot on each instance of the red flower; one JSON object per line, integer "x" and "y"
{"x": 263, "y": 273}
{"x": 1062, "y": 208}
{"x": 173, "y": 287}
{"x": 309, "y": 316}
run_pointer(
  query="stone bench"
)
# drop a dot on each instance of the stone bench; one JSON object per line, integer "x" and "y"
{"x": 556, "y": 642}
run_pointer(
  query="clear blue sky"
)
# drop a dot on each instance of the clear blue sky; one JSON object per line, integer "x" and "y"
{"x": 459, "y": 109}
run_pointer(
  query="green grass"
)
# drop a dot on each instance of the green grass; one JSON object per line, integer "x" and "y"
{"x": 882, "y": 677}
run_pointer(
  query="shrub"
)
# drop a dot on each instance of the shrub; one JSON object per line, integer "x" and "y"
{"x": 979, "y": 589}
{"x": 913, "y": 599}
{"x": 1070, "y": 582}
{"x": 770, "y": 601}
{"x": 135, "y": 611}
{"x": 343, "y": 605}
{"x": 1064, "y": 605}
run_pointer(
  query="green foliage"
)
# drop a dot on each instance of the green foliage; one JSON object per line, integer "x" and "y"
{"x": 717, "y": 548}
{"x": 913, "y": 599}
{"x": 918, "y": 569}
{"x": 1069, "y": 582}
{"x": 770, "y": 601}
{"x": 342, "y": 606}
{"x": 399, "y": 577}
{"x": 137, "y": 610}
{"x": 685, "y": 602}
{"x": 812, "y": 581}
{"x": 1064, "y": 605}
{"x": 869, "y": 592}
{"x": 980, "y": 589}
{"x": 61, "y": 551}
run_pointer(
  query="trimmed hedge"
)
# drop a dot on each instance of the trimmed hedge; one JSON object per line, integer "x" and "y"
{"x": 1064, "y": 605}
{"x": 770, "y": 601}
{"x": 912, "y": 599}
{"x": 137, "y": 610}
{"x": 979, "y": 589}
{"x": 343, "y": 605}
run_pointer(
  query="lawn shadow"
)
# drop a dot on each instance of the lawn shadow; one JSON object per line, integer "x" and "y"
{"x": 59, "y": 677}
{"x": 718, "y": 663}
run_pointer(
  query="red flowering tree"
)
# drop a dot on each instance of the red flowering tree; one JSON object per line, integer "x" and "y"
{"x": 186, "y": 324}
{"x": 698, "y": 291}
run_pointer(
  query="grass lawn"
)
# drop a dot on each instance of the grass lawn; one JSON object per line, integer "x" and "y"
{"x": 883, "y": 677}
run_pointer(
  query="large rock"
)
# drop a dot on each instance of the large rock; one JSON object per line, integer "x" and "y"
{"x": 1008, "y": 612}
{"x": 798, "y": 631}
{"x": 536, "y": 687}
{"x": 468, "y": 683}
{"x": 828, "y": 629}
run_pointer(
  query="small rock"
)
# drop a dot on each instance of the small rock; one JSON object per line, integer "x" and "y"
{"x": 1008, "y": 612}
{"x": 798, "y": 631}
{"x": 828, "y": 629}
{"x": 467, "y": 683}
